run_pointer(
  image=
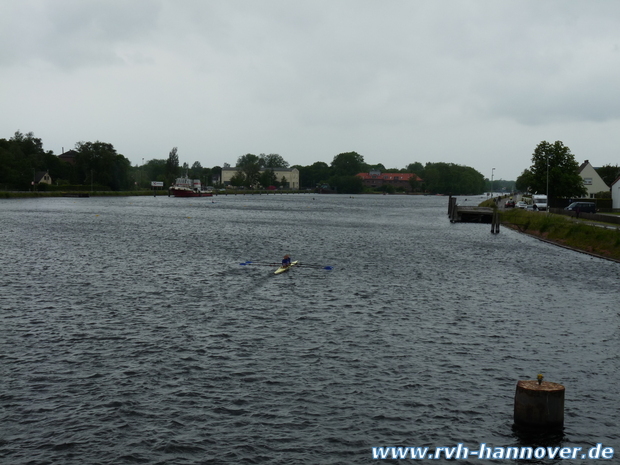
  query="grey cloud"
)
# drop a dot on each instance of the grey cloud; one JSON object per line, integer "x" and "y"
{"x": 402, "y": 81}
{"x": 74, "y": 33}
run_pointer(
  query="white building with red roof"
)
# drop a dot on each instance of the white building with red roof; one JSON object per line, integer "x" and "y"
{"x": 376, "y": 179}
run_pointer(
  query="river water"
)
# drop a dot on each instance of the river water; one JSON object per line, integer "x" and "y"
{"x": 130, "y": 333}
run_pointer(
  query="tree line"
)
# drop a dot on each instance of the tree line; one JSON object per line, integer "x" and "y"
{"x": 437, "y": 178}
{"x": 98, "y": 165}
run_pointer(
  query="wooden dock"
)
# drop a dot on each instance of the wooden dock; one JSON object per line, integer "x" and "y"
{"x": 466, "y": 214}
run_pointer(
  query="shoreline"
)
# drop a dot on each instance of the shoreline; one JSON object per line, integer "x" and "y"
{"x": 540, "y": 236}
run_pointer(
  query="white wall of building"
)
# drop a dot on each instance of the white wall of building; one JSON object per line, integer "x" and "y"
{"x": 615, "y": 194}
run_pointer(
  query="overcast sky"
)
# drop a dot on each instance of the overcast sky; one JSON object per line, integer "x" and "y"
{"x": 477, "y": 83}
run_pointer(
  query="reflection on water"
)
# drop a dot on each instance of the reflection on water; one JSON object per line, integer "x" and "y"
{"x": 130, "y": 333}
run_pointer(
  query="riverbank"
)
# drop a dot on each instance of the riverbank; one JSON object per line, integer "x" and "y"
{"x": 164, "y": 193}
{"x": 145, "y": 193}
{"x": 598, "y": 239}
{"x": 28, "y": 195}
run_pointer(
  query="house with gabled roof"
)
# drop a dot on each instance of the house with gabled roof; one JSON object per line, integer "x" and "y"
{"x": 591, "y": 180}
{"x": 42, "y": 177}
{"x": 376, "y": 178}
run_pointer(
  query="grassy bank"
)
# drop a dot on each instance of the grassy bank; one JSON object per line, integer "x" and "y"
{"x": 21, "y": 195}
{"x": 566, "y": 231}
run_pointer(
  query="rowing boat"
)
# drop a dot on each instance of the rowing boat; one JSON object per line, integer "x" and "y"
{"x": 282, "y": 269}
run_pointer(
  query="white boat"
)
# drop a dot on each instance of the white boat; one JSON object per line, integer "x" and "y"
{"x": 186, "y": 187}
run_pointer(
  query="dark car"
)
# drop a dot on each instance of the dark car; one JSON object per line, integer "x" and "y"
{"x": 509, "y": 204}
{"x": 582, "y": 207}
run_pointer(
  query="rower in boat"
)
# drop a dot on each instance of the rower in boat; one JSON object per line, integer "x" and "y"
{"x": 286, "y": 265}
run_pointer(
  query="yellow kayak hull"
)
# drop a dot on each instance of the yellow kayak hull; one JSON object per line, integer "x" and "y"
{"x": 282, "y": 269}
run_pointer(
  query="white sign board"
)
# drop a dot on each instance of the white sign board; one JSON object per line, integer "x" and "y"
{"x": 157, "y": 184}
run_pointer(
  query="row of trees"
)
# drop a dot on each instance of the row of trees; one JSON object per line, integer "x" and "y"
{"x": 21, "y": 157}
{"x": 98, "y": 164}
{"x": 439, "y": 178}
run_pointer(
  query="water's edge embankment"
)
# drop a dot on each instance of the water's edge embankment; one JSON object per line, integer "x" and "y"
{"x": 586, "y": 249}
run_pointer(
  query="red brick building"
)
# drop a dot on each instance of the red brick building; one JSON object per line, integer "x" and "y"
{"x": 376, "y": 179}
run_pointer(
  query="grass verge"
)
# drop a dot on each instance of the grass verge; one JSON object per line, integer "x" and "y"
{"x": 566, "y": 231}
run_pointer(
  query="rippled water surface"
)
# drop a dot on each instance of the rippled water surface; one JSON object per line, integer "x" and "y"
{"x": 130, "y": 333}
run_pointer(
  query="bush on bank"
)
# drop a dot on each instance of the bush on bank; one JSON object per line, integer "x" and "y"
{"x": 566, "y": 231}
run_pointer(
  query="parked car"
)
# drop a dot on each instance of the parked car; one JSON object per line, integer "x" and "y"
{"x": 582, "y": 207}
{"x": 521, "y": 204}
{"x": 509, "y": 204}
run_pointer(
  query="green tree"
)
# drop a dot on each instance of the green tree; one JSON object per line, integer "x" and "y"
{"x": 387, "y": 188}
{"x": 554, "y": 165}
{"x": 415, "y": 167}
{"x": 418, "y": 169}
{"x": 216, "y": 175}
{"x": 313, "y": 175}
{"x": 195, "y": 172}
{"x": 172, "y": 166}
{"x": 238, "y": 179}
{"x": 524, "y": 181}
{"x": 348, "y": 164}
{"x": 268, "y": 178}
{"x": 250, "y": 165}
{"x": 449, "y": 178}
{"x": 154, "y": 170}
{"x": 273, "y": 160}
{"x": 98, "y": 163}
{"x": 22, "y": 156}
{"x": 416, "y": 183}
{"x": 377, "y": 167}
{"x": 609, "y": 173}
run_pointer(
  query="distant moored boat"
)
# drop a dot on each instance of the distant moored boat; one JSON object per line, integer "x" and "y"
{"x": 186, "y": 187}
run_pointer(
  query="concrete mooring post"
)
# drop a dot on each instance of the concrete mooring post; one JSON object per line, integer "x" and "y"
{"x": 539, "y": 404}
